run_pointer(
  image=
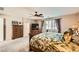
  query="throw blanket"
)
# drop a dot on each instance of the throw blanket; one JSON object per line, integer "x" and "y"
{"x": 48, "y": 43}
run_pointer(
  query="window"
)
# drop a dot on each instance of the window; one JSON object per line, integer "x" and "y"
{"x": 48, "y": 24}
{"x": 51, "y": 26}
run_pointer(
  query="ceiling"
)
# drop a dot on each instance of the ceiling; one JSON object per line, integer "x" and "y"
{"x": 55, "y": 11}
{"x": 46, "y": 11}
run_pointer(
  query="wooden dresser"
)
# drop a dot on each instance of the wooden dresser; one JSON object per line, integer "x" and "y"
{"x": 17, "y": 29}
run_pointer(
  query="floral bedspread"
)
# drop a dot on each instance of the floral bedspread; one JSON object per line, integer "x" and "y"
{"x": 48, "y": 43}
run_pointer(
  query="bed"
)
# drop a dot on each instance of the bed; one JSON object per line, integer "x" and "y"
{"x": 49, "y": 42}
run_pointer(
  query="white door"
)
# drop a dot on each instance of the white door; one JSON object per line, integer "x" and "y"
{"x": 1, "y": 29}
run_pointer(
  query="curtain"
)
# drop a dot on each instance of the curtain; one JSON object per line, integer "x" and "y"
{"x": 58, "y": 22}
{"x": 52, "y": 25}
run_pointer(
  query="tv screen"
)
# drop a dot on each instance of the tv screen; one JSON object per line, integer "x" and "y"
{"x": 35, "y": 26}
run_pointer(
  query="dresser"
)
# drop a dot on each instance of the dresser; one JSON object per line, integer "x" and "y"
{"x": 17, "y": 29}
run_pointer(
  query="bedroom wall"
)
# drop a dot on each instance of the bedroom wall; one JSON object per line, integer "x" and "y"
{"x": 26, "y": 27}
{"x": 18, "y": 14}
{"x": 67, "y": 21}
{"x": 9, "y": 26}
{"x": 9, "y": 20}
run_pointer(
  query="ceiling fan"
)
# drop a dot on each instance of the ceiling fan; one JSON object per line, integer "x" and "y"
{"x": 37, "y": 15}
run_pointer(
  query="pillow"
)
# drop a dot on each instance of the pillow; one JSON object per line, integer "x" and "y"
{"x": 76, "y": 39}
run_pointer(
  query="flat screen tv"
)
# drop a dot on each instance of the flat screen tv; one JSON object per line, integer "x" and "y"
{"x": 35, "y": 26}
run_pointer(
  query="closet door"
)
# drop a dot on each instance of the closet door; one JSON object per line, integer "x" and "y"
{"x": 4, "y": 21}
